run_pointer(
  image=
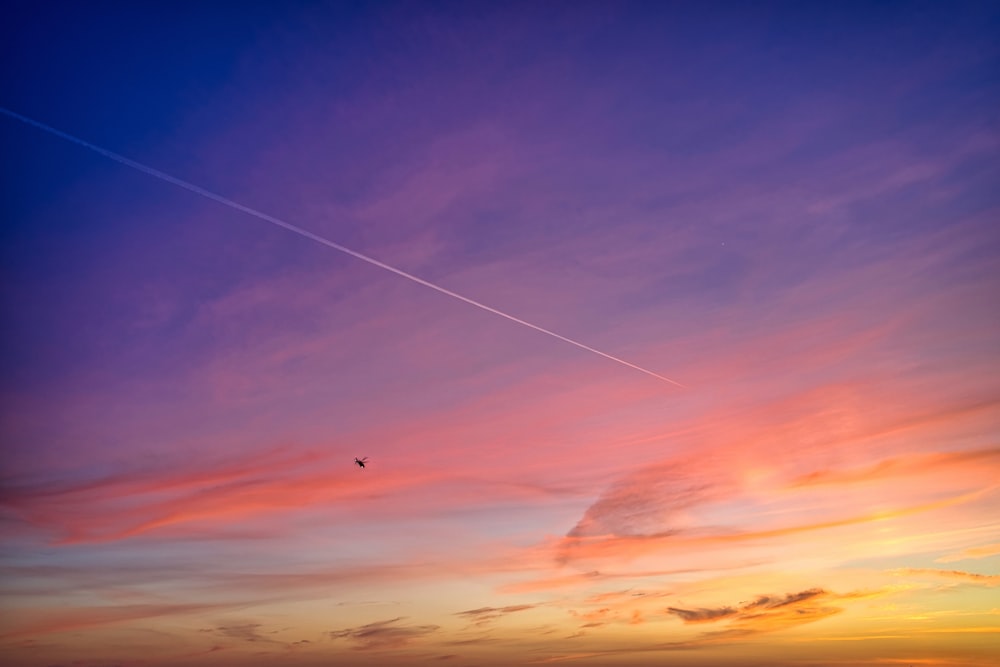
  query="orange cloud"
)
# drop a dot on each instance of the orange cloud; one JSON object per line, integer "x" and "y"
{"x": 702, "y": 615}
{"x": 971, "y": 553}
{"x": 765, "y": 614}
{"x": 632, "y": 546}
{"x": 906, "y": 465}
{"x": 763, "y": 491}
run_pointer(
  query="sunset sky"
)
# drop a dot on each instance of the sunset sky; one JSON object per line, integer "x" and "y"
{"x": 789, "y": 211}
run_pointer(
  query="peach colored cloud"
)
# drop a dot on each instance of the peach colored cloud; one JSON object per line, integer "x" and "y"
{"x": 766, "y": 614}
{"x": 984, "y": 551}
{"x": 989, "y": 580}
{"x": 915, "y": 464}
{"x": 627, "y": 545}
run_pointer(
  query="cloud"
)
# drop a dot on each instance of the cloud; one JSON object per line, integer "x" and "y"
{"x": 579, "y": 579}
{"x": 651, "y": 500}
{"x": 763, "y": 614}
{"x": 623, "y": 612}
{"x": 245, "y": 632}
{"x": 230, "y": 491}
{"x": 989, "y": 580}
{"x": 383, "y": 635}
{"x": 485, "y": 638}
{"x": 617, "y": 597}
{"x": 633, "y": 546}
{"x": 234, "y": 497}
{"x": 548, "y": 583}
{"x": 904, "y": 465}
{"x": 36, "y": 622}
{"x": 748, "y": 486}
{"x": 702, "y": 615}
{"x": 485, "y": 615}
{"x": 768, "y": 602}
{"x": 971, "y": 553}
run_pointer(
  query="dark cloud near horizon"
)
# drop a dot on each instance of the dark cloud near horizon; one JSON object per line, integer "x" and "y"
{"x": 484, "y": 615}
{"x": 766, "y": 613}
{"x": 246, "y": 632}
{"x": 769, "y": 602}
{"x": 702, "y": 615}
{"x": 383, "y": 634}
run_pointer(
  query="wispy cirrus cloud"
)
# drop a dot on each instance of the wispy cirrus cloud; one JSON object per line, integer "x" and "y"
{"x": 737, "y": 493}
{"x": 764, "y": 612}
{"x": 586, "y": 579}
{"x": 915, "y": 464}
{"x": 45, "y": 621}
{"x": 630, "y": 547}
{"x": 989, "y": 580}
{"x": 702, "y": 615}
{"x": 818, "y": 267}
{"x": 248, "y": 632}
{"x": 383, "y": 635}
{"x": 232, "y": 496}
{"x": 485, "y": 615}
{"x": 601, "y": 616}
{"x": 984, "y": 551}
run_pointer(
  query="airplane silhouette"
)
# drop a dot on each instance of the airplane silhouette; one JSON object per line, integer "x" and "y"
{"x": 360, "y": 462}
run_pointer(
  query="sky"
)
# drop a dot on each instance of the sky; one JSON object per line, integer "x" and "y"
{"x": 782, "y": 217}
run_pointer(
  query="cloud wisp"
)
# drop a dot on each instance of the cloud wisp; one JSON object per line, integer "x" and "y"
{"x": 970, "y": 553}
{"x": 766, "y": 613}
{"x": 384, "y": 635}
{"x": 727, "y": 497}
{"x": 486, "y": 615}
{"x": 988, "y": 580}
{"x": 225, "y": 201}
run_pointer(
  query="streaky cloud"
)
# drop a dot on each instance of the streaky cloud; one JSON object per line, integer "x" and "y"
{"x": 971, "y": 553}
{"x": 225, "y": 201}
{"x": 383, "y": 635}
{"x": 78, "y": 618}
{"x": 989, "y": 580}
{"x": 702, "y": 615}
{"x": 485, "y": 615}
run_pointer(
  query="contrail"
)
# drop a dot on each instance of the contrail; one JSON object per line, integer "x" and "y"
{"x": 138, "y": 166}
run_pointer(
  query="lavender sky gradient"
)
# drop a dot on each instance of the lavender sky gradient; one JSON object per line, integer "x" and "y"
{"x": 792, "y": 209}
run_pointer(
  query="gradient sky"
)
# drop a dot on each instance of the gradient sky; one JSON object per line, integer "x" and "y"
{"x": 791, "y": 209}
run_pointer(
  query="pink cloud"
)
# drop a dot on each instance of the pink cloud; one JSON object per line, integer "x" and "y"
{"x": 47, "y": 621}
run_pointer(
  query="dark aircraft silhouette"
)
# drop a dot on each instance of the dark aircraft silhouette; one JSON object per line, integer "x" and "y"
{"x": 360, "y": 462}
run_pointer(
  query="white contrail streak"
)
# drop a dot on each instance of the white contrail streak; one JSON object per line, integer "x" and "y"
{"x": 314, "y": 237}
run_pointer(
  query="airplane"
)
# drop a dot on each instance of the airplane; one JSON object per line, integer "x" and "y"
{"x": 360, "y": 462}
